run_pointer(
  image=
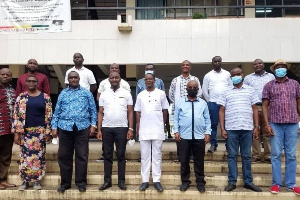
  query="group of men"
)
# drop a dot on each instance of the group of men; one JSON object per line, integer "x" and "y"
{"x": 244, "y": 108}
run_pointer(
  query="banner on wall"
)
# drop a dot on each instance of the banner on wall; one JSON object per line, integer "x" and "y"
{"x": 34, "y": 16}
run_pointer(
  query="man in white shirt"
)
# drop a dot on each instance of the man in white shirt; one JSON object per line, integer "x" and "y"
{"x": 115, "y": 113}
{"x": 105, "y": 84}
{"x": 214, "y": 83}
{"x": 178, "y": 88}
{"x": 87, "y": 79}
{"x": 151, "y": 113}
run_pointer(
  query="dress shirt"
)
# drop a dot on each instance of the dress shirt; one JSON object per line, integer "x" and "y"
{"x": 258, "y": 82}
{"x": 185, "y": 118}
{"x": 151, "y": 104}
{"x": 182, "y": 87}
{"x": 42, "y": 85}
{"x": 214, "y": 83}
{"x": 105, "y": 85}
{"x": 238, "y": 107}
{"x": 74, "y": 106}
{"x": 115, "y": 107}
{"x": 283, "y": 100}
{"x": 7, "y": 102}
{"x": 86, "y": 76}
{"x": 141, "y": 86}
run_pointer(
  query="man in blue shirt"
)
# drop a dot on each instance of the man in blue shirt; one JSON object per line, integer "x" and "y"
{"x": 75, "y": 119}
{"x": 192, "y": 130}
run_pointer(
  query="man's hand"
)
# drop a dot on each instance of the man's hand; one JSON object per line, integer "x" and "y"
{"x": 177, "y": 137}
{"x": 270, "y": 131}
{"x": 17, "y": 139}
{"x": 207, "y": 138}
{"x": 92, "y": 130}
{"x": 129, "y": 134}
{"x": 99, "y": 134}
{"x": 224, "y": 134}
{"x": 54, "y": 133}
{"x": 48, "y": 138}
{"x": 256, "y": 133}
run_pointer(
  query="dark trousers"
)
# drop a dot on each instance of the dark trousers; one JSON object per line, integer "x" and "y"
{"x": 109, "y": 137}
{"x": 6, "y": 143}
{"x": 197, "y": 147}
{"x": 68, "y": 141}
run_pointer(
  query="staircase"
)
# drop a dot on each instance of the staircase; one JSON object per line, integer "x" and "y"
{"x": 215, "y": 170}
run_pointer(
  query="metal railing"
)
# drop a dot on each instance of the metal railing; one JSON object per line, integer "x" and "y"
{"x": 239, "y": 8}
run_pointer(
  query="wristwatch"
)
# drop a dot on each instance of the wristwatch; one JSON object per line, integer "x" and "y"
{"x": 94, "y": 126}
{"x": 257, "y": 127}
{"x": 130, "y": 129}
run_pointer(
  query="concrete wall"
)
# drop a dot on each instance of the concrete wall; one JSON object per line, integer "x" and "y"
{"x": 160, "y": 41}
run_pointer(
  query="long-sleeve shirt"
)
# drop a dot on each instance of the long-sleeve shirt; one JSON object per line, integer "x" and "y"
{"x": 214, "y": 84}
{"x": 141, "y": 86}
{"x": 7, "y": 101}
{"x": 74, "y": 106}
{"x": 43, "y": 83}
{"x": 191, "y": 118}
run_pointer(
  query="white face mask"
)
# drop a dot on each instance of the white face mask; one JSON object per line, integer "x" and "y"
{"x": 149, "y": 72}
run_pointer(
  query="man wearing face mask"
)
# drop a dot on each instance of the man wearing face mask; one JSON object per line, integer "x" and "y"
{"x": 258, "y": 80}
{"x": 214, "y": 83}
{"x": 237, "y": 112}
{"x": 140, "y": 85}
{"x": 192, "y": 130}
{"x": 281, "y": 110}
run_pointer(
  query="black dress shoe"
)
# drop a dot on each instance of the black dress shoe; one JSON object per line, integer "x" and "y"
{"x": 82, "y": 188}
{"x": 122, "y": 186}
{"x": 252, "y": 187}
{"x": 63, "y": 188}
{"x": 158, "y": 186}
{"x": 105, "y": 186}
{"x": 144, "y": 186}
{"x": 201, "y": 188}
{"x": 230, "y": 187}
{"x": 184, "y": 186}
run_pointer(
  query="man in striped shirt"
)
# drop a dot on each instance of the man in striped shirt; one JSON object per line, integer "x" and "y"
{"x": 238, "y": 109}
{"x": 258, "y": 80}
{"x": 281, "y": 110}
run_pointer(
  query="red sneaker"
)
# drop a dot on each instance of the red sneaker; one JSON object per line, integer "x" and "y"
{"x": 296, "y": 190}
{"x": 274, "y": 189}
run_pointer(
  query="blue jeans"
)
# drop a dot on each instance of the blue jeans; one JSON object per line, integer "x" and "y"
{"x": 286, "y": 135}
{"x": 242, "y": 138}
{"x": 214, "y": 118}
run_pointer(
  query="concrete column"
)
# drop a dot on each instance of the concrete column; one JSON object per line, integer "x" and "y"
{"x": 249, "y": 12}
{"x": 130, "y": 3}
{"x": 60, "y": 71}
{"x": 17, "y": 70}
{"x": 247, "y": 68}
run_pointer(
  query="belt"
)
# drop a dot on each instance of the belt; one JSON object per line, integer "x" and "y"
{"x": 259, "y": 104}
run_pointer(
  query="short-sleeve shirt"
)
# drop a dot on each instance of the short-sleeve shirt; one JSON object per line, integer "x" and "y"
{"x": 115, "y": 109}
{"x": 238, "y": 107}
{"x": 105, "y": 85}
{"x": 283, "y": 100}
{"x": 151, "y": 104}
{"x": 258, "y": 82}
{"x": 86, "y": 76}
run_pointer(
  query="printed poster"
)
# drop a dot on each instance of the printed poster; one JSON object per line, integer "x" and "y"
{"x": 34, "y": 16}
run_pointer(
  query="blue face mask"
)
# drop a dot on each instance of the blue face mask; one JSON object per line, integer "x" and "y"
{"x": 149, "y": 72}
{"x": 280, "y": 72}
{"x": 236, "y": 79}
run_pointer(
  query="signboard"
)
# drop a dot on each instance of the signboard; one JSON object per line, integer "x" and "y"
{"x": 33, "y": 16}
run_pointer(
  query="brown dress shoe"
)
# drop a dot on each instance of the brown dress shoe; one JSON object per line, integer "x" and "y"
{"x": 7, "y": 185}
{"x": 2, "y": 187}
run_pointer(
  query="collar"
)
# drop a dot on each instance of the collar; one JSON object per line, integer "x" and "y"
{"x": 287, "y": 79}
{"x": 243, "y": 86}
{"x": 218, "y": 72}
{"x": 8, "y": 86}
{"x": 82, "y": 68}
{"x": 182, "y": 77}
{"x": 69, "y": 88}
{"x": 260, "y": 75}
{"x": 187, "y": 100}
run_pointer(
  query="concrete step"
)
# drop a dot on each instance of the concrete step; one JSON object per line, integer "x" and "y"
{"x": 132, "y": 178}
{"x": 170, "y": 192}
{"x": 135, "y": 155}
{"x": 167, "y": 166}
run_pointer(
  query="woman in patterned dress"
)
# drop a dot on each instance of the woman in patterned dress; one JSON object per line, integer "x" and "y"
{"x": 31, "y": 126}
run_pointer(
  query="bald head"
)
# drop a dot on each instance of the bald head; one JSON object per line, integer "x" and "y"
{"x": 192, "y": 89}
{"x": 5, "y": 76}
{"x": 114, "y": 79}
{"x": 114, "y": 68}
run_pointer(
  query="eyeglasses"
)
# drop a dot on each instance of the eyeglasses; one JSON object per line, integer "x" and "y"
{"x": 31, "y": 81}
